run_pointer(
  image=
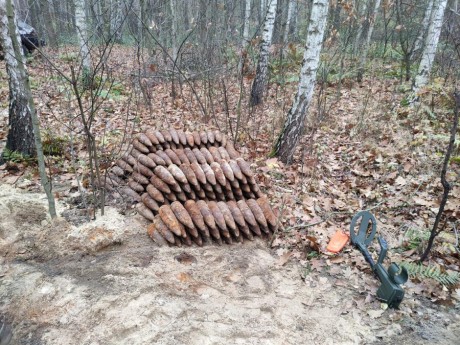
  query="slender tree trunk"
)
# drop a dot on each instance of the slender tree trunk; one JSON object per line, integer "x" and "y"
{"x": 245, "y": 40}
{"x": 431, "y": 44}
{"x": 293, "y": 127}
{"x": 260, "y": 81}
{"x": 20, "y": 134}
{"x": 247, "y": 14}
{"x": 291, "y": 6}
{"x": 23, "y": 121}
{"x": 82, "y": 33}
{"x": 172, "y": 4}
{"x": 365, "y": 46}
{"x": 424, "y": 27}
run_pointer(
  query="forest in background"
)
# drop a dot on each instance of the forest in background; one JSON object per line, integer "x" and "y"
{"x": 373, "y": 139}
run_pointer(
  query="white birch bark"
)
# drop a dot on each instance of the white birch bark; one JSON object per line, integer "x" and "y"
{"x": 260, "y": 81}
{"x": 290, "y": 13}
{"x": 365, "y": 46}
{"x": 82, "y": 33}
{"x": 424, "y": 27}
{"x": 247, "y": 14}
{"x": 431, "y": 44}
{"x": 293, "y": 127}
{"x": 24, "y": 130}
{"x": 245, "y": 39}
{"x": 116, "y": 20}
{"x": 172, "y": 4}
{"x": 360, "y": 12}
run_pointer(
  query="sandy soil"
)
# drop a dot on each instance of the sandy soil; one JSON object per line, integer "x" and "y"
{"x": 107, "y": 283}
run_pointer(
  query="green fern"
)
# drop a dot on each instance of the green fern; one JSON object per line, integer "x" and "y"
{"x": 430, "y": 271}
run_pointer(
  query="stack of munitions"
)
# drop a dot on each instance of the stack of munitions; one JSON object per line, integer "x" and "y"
{"x": 194, "y": 187}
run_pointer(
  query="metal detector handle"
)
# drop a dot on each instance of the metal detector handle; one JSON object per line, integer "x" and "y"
{"x": 383, "y": 250}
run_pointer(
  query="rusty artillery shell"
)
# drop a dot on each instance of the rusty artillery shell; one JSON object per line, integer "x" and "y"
{"x": 140, "y": 147}
{"x": 168, "y": 217}
{"x": 156, "y": 159}
{"x": 220, "y": 176}
{"x": 223, "y": 153}
{"x": 268, "y": 213}
{"x": 144, "y": 139}
{"x": 160, "y": 184}
{"x": 244, "y": 167}
{"x": 183, "y": 216}
{"x": 150, "y": 133}
{"x": 204, "y": 138}
{"x": 117, "y": 171}
{"x": 163, "y": 229}
{"x": 190, "y": 139}
{"x": 190, "y": 155}
{"x": 164, "y": 156}
{"x": 144, "y": 211}
{"x": 166, "y": 135}
{"x": 189, "y": 174}
{"x": 258, "y": 214}
{"x": 218, "y": 136}
{"x": 226, "y": 168}
{"x": 129, "y": 193}
{"x": 124, "y": 166}
{"x": 155, "y": 235}
{"x": 135, "y": 186}
{"x": 209, "y": 219}
{"x": 209, "y": 173}
{"x": 211, "y": 138}
{"x": 150, "y": 202}
{"x": 139, "y": 178}
{"x": 199, "y": 156}
{"x": 182, "y": 137}
{"x": 199, "y": 172}
{"x": 172, "y": 155}
{"x": 197, "y": 218}
{"x": 207, "y": 155}
{"x": 215, "y": 153}
{"x": 177, "y": 173}
{"x": 218, "y": 218}
{"x": 174, "y": 136}
{"x": 129, "y": 159}
{"x": 165, "y": 175}
{"x": 233, "y": 154}
{"x": 182, "y": 156}
{"x": 196, "y": 138}
{"x": 155, "y": 193}
{"x": 231, "y": 225}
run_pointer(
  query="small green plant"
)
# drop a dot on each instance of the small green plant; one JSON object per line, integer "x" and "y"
{"x": 16, "y": 157}
{"x": 431, "y": 271}
{"x": 415, "y": 238}
{"x": 54, "y": 145}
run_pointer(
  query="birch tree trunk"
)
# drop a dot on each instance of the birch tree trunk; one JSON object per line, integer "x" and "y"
{"x": 295, "y": 122}
{"x": 431, "y": 44}
{"x": 82, "y": 33}
{"x": 290, "y": 13}
{"x": 247, "y": 14}
{"x": 245, "y": 40}
{"x": 24, "y": 130}
{"x": 424, "y": 28}
{"x": 20, "y": 134}
{"x": 365, "y": 46}
{"x": 260, "y": 81}
{"x": 172, "y": 5}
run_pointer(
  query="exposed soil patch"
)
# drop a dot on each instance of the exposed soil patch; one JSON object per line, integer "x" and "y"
{"x": 107, "y": 283}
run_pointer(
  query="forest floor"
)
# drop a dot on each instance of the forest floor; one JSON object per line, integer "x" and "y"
{"x": 105, "y": 282}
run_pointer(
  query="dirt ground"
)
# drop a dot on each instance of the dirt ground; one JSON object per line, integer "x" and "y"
{"x": 107, "y": 283}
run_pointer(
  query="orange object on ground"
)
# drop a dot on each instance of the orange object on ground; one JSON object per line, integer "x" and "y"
{"x": 338, "y": 241}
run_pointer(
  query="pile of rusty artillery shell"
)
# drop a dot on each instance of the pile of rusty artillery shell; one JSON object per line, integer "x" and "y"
{"x": 194, "y": 187}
